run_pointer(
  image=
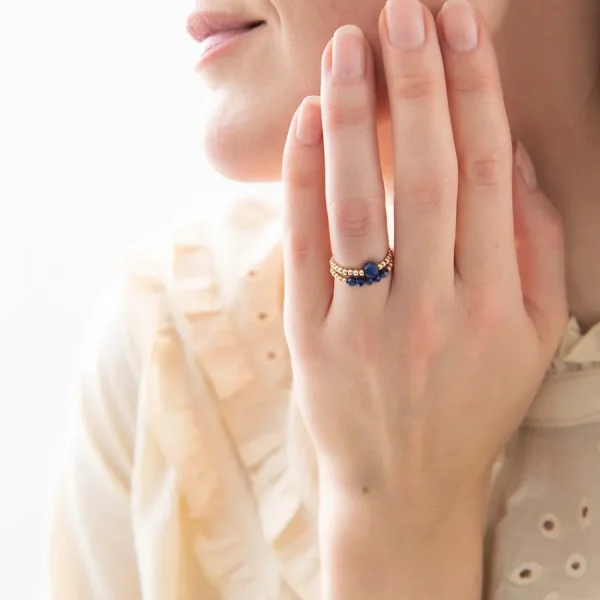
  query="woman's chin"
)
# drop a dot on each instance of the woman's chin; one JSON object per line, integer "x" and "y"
{"x": 244, "y": 148}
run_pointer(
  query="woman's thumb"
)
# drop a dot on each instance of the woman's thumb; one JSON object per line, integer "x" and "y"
{"x": 540, "y": 243}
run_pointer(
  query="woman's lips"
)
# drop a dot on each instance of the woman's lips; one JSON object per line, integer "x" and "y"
{"x": 216, "y": 43}
{"x": 203, "y": 23}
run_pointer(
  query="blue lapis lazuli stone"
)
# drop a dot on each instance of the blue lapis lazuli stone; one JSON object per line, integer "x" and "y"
{"x": 371, "y": 270}
{"x": 383, "y": 273}
{"x": 369, "y": 281}
{"x": 378, "y": 278}
{"x": 351, "y": 281}
{"x": 360, "y": 282}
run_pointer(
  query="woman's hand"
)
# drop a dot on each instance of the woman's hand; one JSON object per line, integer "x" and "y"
{"x": 411, "y": 386}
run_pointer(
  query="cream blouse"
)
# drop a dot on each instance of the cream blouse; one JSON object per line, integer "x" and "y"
{"x": 178, "y": 484}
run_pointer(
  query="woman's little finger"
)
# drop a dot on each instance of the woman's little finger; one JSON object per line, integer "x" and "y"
{"x": 540, "y": 245}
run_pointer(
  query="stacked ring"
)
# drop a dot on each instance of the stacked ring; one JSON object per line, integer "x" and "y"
{"x": 370, "y": 272}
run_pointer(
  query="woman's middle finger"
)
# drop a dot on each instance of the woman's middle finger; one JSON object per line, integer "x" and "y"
{"x": 425, "y": 162}
{"x": 353, "y": 180}
{"x": 485, "y": 245}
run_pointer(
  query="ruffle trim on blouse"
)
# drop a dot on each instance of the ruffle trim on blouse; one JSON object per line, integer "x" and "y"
{"x": 570, "y": 394}
{"x": 577, "y": 351}
{"x": 219, "y": 394}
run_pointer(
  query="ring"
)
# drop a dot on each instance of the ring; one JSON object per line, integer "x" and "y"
{"x": 370, "y": 273}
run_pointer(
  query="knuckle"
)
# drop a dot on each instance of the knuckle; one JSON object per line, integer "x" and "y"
{"x": 489, "y": 306}
{"x": 549, "y": 323}
{"x": 427, "y": 190}
{"x": 414, "y": 86}
{"x": 304, "y": 346}
{"x": 298, "y": 177}
{"x": 355, "y": 219}
{"x": 424, "y": 331}
{"x": 298, "y": 248}
{"x": 487, "y": 169}
{"x": 474, "y": 83}
{"x": 365, "y": 345}
{"x": 344, "y": 115}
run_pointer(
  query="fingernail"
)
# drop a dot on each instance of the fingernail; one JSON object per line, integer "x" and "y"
{"x": 525, "y": 165}
{"x": 459, "y": 24}
{"x": 348, "y": 53}
{"x": 406, "y": 26}
{"x": 308, "y": 124}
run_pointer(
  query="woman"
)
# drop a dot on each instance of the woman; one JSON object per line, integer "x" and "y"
{"x": 259, "y": 421}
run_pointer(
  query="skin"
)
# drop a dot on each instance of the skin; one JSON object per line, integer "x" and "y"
{"x": 549, "y": 54}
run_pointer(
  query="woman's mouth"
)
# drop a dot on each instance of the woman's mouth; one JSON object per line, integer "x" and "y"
{"x": 216, "y": 43}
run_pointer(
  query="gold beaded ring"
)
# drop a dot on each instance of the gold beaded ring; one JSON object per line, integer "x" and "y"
{"x": 370, "y": 273}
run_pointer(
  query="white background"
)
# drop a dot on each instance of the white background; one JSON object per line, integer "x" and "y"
{"x": 100, "y": 116}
